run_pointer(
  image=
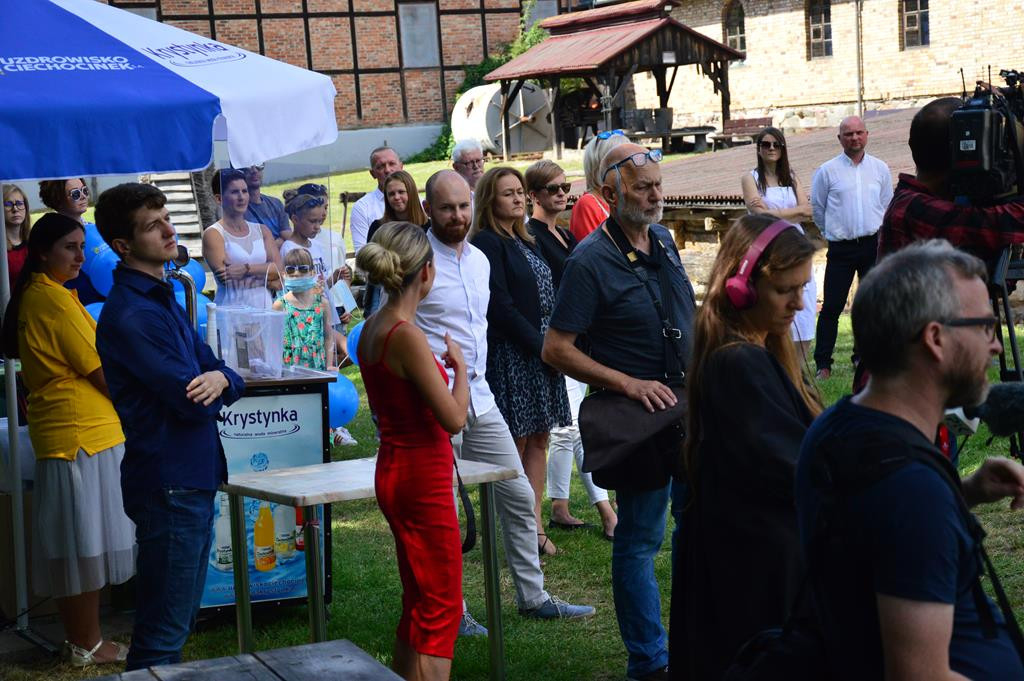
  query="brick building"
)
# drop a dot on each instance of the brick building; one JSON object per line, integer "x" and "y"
{"x": 802, "y": 55}
{"x": 393, "y": 62}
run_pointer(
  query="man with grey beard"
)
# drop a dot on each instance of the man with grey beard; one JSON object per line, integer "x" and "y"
{"x": 608, "y": 292}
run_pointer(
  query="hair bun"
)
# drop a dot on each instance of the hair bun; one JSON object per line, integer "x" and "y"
{"x": 383, "y": 266}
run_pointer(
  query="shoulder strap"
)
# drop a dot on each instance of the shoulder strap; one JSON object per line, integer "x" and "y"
{"x": 387, "y": 338}
{"x": 675, "y": 363}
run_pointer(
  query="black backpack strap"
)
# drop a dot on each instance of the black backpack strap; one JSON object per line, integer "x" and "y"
{"x": 467, "y": 504}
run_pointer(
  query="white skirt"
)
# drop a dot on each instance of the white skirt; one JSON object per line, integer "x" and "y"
{"x": 81, "y": 539}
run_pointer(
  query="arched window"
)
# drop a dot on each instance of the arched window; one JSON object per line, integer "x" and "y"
{"x": 732, "y": 21}
{"x": 913, "y": 23}
{"x": 819, "y": 28}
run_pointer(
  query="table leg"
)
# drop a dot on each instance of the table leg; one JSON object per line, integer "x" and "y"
{"x": 492, "y": 594}
{"x": 240, "y": 560}
{"x": 700, "y": 142}
{"x": 314, "y": 575}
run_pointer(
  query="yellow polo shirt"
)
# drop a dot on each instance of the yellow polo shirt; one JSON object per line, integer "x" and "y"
{"x": 57, "y": 343}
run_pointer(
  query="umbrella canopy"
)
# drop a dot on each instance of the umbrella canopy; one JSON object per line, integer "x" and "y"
{"x": 89, "y": 89}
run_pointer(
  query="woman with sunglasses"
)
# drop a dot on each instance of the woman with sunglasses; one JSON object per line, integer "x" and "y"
{"x": 17, "y": 222}
{"x": 70, "y": 198}
{"x": 548, "y": 191}
{"x": 590, "y": 209}
{"x": 401, "y": 204}
{"x": 529, "y": 394}
{"x": 773, "y": 188}
{"x": 242, "y": 255}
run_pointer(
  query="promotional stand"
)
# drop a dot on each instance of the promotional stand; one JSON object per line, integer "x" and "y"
{"x": 278, "y": 423}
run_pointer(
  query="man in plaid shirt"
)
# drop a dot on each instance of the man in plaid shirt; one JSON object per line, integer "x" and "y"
{"x": 922, "y": 207}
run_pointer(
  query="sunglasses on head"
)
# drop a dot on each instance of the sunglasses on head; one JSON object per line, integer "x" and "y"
{"x": 14, "y": 204}
{"x": 605, "y": 134}
{"x": 638, "y": 159}
{"x": 78, "y": 193}
{"x": 313, "y": 189}
{"x": 553, "y": 188}
{"x": 765, "y": 144}
{"x": 257, "y": 166}
{"x": 298, "y": 269}
{"x": 311, "y": 202}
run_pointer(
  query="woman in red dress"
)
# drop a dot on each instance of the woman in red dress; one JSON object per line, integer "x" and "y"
{"x": 408, "y": 392}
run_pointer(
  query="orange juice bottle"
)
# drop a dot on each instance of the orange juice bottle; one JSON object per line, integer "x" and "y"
{"x": 263, "y": 539}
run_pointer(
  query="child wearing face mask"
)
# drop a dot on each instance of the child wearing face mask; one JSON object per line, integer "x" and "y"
{"x": 307, "y": 326}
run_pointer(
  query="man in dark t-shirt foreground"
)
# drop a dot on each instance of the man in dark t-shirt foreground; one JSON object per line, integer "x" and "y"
{"x": 894, "y": 562}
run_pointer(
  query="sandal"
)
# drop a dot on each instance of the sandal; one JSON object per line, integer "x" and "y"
{"x": 542, "y": 546}
{"x": 80, "y": 657}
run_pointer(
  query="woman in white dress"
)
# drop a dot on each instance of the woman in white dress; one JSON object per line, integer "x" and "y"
{"x": 773, "y": 188}
{"x": 242, "y": 255}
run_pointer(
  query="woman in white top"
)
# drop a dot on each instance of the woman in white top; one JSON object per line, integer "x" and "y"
{"x": 242, "y": 255}
{"x": 773, "y": 188}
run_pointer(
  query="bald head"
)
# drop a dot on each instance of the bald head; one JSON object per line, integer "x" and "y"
{"x": 853, "y": 137}
{"x": 448, "y": 206}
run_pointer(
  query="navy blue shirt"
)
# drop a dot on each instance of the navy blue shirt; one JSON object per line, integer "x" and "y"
{"x": 903, "y": 536}
{"x": 600, "y": 296}
{"x": 150, "y": 353}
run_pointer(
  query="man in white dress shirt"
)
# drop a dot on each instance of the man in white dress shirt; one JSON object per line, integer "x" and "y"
{"x": 849, "y": 195}
{"x": 457, "y": 304}
{"x": 383, "y": 162}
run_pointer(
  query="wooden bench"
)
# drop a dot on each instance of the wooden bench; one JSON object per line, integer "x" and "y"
{"x": 672, "y": 140}
{"x": 738, "y": 127}
{"x": 331, "y": 660}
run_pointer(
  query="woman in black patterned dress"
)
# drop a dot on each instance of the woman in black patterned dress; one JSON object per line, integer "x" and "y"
{"x": 530, "y": 394}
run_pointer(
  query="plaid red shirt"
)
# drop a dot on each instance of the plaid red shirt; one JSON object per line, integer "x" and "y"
{"x": 916, "y": 214}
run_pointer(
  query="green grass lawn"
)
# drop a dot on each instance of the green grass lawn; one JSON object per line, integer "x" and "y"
{"x": 366, "y": 603}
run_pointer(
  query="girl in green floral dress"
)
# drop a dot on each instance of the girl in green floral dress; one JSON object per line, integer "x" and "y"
{"x": 305, "y": 326}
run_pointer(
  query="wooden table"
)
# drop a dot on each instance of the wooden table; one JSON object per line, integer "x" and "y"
{"x": 309, "y": 486}
{"x": 311, "y": 662}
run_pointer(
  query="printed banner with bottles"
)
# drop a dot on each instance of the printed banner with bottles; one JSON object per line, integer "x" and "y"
{"x": 262, "y": 433}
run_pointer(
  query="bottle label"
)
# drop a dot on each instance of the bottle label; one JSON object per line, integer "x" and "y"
{"x": 224, "y": 557}
{"x": 265, "y": 558}
{"x": 284, "y": 544}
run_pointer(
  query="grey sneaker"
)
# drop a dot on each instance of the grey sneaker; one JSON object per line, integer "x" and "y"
{"x": 555, "y": 608}
{"x": 470, "y": 627}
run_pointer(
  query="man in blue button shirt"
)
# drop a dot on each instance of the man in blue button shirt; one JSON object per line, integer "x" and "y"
{"x": 168, "y": 388}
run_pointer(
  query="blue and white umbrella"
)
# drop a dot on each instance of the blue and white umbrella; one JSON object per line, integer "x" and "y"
{"x": 89, "y": 89}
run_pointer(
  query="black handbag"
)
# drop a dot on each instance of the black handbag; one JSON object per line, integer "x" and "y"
{"x": 624, "y": 445}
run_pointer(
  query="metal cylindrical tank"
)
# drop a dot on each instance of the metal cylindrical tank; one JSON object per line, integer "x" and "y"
{"x": 477, "y": 115}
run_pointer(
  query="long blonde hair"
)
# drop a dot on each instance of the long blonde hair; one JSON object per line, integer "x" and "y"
{"x": 719, "y": 324}
{"x": 26, "y": 225}
{"x": 483, "y": 201}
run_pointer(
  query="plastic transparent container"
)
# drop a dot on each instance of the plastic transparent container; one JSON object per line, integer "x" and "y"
{"x": 251, "y": 340}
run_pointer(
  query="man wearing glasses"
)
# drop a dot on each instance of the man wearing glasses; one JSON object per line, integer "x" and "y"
{"x": 468, "y": 161}
{"x": 892, "y": 551}
{"x": 607, "y": 292}
{"x": 849, "y": 195}
{"x": 263, "y": 209}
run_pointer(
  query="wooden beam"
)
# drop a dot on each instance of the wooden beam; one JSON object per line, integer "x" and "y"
{"x": 724, "y": 79}
{"x": 556, "y": 123}
{"x": 504, "y": 120}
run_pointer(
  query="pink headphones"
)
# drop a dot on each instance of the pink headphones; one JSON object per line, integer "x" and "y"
{"x": 738, "y": 287}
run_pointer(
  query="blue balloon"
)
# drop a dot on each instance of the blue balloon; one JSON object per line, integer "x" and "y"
{"x": 94, "y": 243}
{"x": 100, "y": 270}
{"x": 94, "y": 310}
{"x": 352, "y": 342}
{"x": 201, "y": 302}
{"x": 342, "y": 401}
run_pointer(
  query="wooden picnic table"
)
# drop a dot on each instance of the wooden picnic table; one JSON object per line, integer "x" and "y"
{"x": 699, "y": 133}
{"x": 309, "y": 486}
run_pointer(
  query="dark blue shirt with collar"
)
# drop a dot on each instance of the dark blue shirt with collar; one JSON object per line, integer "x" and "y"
{"x": 150, "y": 353}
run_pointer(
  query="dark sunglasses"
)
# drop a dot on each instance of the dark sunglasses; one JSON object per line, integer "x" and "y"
{"x": 298, "y": 269}
{"x": 313, "y": 189}
{"x": 14, "y": 204}
{"x": 553, "y": 188}
{"x": 988, "y": 324}
{"x": 638, "y": 159}
{"x": 605, "y": 134}
{"x": 78, "y": 193}
{"x": 764, "y": 144}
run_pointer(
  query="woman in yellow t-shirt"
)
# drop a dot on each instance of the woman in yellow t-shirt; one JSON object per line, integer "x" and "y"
{"x": 82, "y": 538}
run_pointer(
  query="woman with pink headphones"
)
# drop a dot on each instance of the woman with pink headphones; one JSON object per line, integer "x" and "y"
{"x": 737, "y": 568}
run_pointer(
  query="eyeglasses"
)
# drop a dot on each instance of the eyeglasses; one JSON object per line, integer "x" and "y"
{"x": 477, "y": 163}
{"x": 988, "y": 324}
{"x": 638, "y": 159}
{"x": 765, "y": 144}
{"x": 14, "y": 204}
{"x": 553, "y": 188}
{"x": 298, "y": 269}
{"x": 313, "y": 189}
{"x": 605, "y": 134}
{"x": 77, "y": 193}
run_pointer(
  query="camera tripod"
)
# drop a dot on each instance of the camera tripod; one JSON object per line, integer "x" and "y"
{"x": 1004, "y": 275}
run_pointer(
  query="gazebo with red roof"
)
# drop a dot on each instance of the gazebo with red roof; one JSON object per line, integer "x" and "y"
{"x": 606, "y": 47}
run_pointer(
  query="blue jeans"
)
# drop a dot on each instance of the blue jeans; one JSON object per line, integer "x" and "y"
{"x": 638, "y": 538}
{"x": 173, "y": 528}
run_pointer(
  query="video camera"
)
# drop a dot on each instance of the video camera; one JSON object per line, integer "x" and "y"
{"x": 987, "y": 141}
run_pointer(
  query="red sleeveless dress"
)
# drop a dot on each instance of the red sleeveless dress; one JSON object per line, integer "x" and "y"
{"x": 414, "y": 490}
